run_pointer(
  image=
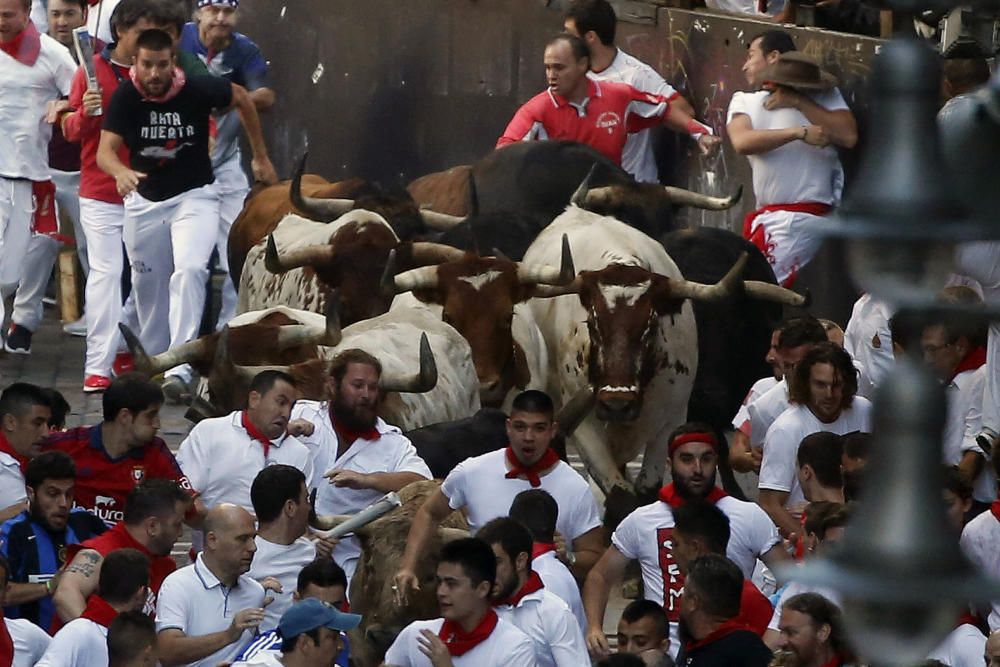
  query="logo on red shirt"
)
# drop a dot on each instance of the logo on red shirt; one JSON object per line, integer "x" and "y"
{"x": 608, "y": 120}
{"x": 673, "y": 581}
{"x": 138, "y": 473}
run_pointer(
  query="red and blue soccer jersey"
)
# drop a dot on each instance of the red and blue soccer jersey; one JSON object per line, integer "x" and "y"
{"x": 102, "y": 483}
{"x": 603, "y": 120}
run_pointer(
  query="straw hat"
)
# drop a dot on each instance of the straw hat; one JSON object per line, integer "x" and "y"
{"x": 798, "y": 70}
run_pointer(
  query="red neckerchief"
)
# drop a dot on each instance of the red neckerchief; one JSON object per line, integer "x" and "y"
{"x": 532, "y": 585}
{"x": 835, "y": 661}
{"x": 530, "y": 473}
{"x": 348, "y": 436}
{"x": 6, "y": 644}
{"x": 995, "y": 509}
{"x": 727, "y": 628}
{"x": 99, "y": 611}
{"x": 25, "y": 47}
{"x": 967, "y": 618}
{"x": 6, "y": 448}
{"x": 255, "y": 433}
{"x": 175, "y": 86}
{"x": 541, "y": 548}
{"x": 670, "y": 496}
{"x": 460, "y": 642}
{"x": 970, "y": 362}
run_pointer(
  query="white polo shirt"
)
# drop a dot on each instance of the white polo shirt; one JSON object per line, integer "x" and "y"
{"x": 505, "y": 647}
{"x": 965, "y": 421}
{"x": 867, "y": 338}
{"x": 194, "y": 601}
{"x": 221, "y": 460}
{"x": 765, "y": 409}
{"x": 79, "y": 643}
{"x": 779, "y": 467}
{"x": 980, "y": 538}
{"x": 965, "y": 645}
{"x": 11, "y": 481}
{"x": 759, "y": 388}
{"x": 479, "y": 484}
{"x": 560, "y": 581}
{"x": 24, "y": 93}
{"x": 30, "y": 642}
{"x": 283, "y": 562}
{"x": 392, "y": 452}
{"x": 549, "y": 623}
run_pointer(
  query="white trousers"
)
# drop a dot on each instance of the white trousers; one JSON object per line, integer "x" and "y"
{"x": 169, "y": 245}
{"x": 788, "y": 244}
{"x": 233, "y": 189}
{"x": 68, "y": 199}
{"x": 16, "y": 208}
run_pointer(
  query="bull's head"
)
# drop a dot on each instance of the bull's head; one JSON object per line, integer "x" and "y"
{"x": 477, "y": 295}
{"x": 624, "y": 304}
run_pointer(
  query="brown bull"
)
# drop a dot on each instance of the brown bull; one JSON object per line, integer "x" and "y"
{"x": 444, "y": 191}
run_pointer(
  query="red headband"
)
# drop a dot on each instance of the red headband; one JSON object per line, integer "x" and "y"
{"x": 685, "y": 438}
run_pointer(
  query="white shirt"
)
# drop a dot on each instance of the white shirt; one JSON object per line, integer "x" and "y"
{"x": 79, "y": 643}
{"x": 963, "y": 647}
{"x": 867, "y": 338}
{"x": 779, "y": 467}
{"x": 746, "y": 6}
{"x": 759, "y": 388}
{"x": 392, "y": 452}
{"x": 646, "y": 535}
{"x": 637, "y": 156}
{"x": 560, "y": 581}
{"x": 103, "y": 32}
{"x": 964, "y": 423}
{"x": 194, "y": 601}
{"x": 765, "y": 409}
{"x": 11, "y": 481}
{"x": 283, "y": 562}
{"x": 221, "y": 460}
{"x": 980, "y": 538}
{"x": 796, "y": 171}
{"x": 30, "y": 641}
{"x": 549, "y": 623}
{"x": 505, "y": 647}
{"x": 24, "y": 93}
{"x": 262, "y": 659}
{"x": 479, "y": 484}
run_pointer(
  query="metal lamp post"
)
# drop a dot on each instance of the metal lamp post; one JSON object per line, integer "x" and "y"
{"x": 899, "y": 568}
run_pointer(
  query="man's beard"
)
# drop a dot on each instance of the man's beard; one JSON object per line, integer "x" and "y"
{"x": 687, "y": 494}
{"x": 507, "y": 590}
{"x": 39, "y": 518}
{"x": 351, "y": 418}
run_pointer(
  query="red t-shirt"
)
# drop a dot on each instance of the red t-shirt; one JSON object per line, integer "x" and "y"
{"x": 603, "y": 122}
{"x": 102, "y": 483}
{"x": 755, "y": 609}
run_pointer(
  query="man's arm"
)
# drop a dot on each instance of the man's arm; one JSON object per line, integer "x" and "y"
{"x": 609, "y": 571}
{"x": 12, "y": 511}
{"x": 773, "y": 502}
{"x": 434, "y": 510}
{"x": 748, "y": 141}
{"x": 587, "y": 549}
{"x": 775, "y": 557}
{"x": 261, "y": 165}
{"x": 77, "y": 583}
{"x": 743, "y": 457}
{"x": 383, "y": 482}
{"x": 971, "y": 464}
{"x": 526, "y": 124}
{"x": 126, "y": 180}
{"x": 839, "y": 125}
{"x": 262, "y": 98}
{"x": 176, "y": 648}
{"x": 20, "y": 593}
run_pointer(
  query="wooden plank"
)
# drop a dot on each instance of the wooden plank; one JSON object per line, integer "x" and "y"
{"x": 68, "y": 286}
{"x": 885, "y": 23}
{"x": 630, "y": 11}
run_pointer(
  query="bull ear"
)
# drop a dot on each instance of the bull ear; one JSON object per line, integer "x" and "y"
{"x": 662, "y": 297}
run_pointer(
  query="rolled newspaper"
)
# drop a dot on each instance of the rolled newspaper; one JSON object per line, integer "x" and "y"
{"x": 379, "y": 508}
{"x": 84, "y": 44}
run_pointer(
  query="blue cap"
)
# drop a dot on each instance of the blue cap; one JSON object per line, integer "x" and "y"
{"x": 311, "y": 614}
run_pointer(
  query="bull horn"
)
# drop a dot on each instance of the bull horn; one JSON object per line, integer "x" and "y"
{"x": 452, "y": 534}
{"x": 243, "y": 373}
{"x": 548, "y": 291}
{"x": 758, "y": 289}
{"x": 310, "y": 255}
{"x": 426, "y": 252}
{"x": 579, "y": 197}
{"x": 575, "y": 411}
{"x": 200, "y": 409}
{"x": 423, "y": 381}
{"x": 154, "y": 365}
{"x": 548, "y": 275}
{"x": 315, "y": 208}
{"x": 440, "y": 222}
{"x": 302, "y": 334}
{"x": 425, "y": 277}
{"x": 682, "y": 197}
{"x": 500, "y": 254}
{"x": 685, "y": 289}
{"x": 327, "y": 521}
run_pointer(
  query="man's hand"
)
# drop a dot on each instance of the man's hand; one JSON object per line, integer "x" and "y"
{"x": 709, "y": 143}
{"x": 746, "y": 461}
{"x": 248, "y": 619}
{"x": 432, "y": 646}
{"x": 270, "y": 584}
{"x": 263, "y": 170}
{"x": 92, "y": 101}
{"x": 815, "y": 136}
{"x": 349, "y": 479}
{"x": 325, "y": 546}
{"x": 297, "y": 427}
{"x": 127, "y": 181}
{"x": 782, "y": 97}
{"x": 404, "y": 581}
{"x": 53, "y": 109}
{"x": 597, "y": 643}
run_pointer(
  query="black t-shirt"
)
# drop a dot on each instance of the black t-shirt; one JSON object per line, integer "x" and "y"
{"x": 738, "y": 649}
{"x": 168, "y": 141}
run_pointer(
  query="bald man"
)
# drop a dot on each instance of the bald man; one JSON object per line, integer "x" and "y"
{"x": 208, "y": 611}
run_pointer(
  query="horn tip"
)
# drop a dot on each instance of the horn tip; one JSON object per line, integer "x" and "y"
{"x": 568, "y": 270}
{"x": 388, "y": 281}
{"x": 272, "y": 262}
{"x": 807, "y": 298}
{"x": 428, "y": 366}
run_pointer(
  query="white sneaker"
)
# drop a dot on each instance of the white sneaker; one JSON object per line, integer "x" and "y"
{"x": 76, "y": 328}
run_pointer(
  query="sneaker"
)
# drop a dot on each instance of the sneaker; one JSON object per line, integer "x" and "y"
{"x": 76, "y": 327}
{"x": 176, "y": 390}
{"x": 18, "y": 340}
{"x": 95, "y": 383}
{"x": 123, "y": 363}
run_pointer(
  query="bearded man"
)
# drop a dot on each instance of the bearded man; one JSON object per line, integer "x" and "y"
{"x": 362, "y": 457}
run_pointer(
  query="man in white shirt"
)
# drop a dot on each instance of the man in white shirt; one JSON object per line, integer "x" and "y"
{"x": 818, "y": 467}
{"x": 823, "y": 393}
{"x": 206, "y": 612}
{"x": 470, "y": 634}
{"x": 785, "y": 131}
{"x": 35, "y": 72}
{"x": 312, "y": 634}
{"x": 486, "y": 486}
{"x": 123, "y": 587}
{"x": 29, "y": 640}
{"x": 222, "y": 456}
{"x": 812, "y": 630}
{"x": 24, "y": 422}
{"x": 594, "y": 22}
{"x": 867, "y": 337}
{"x": 361, "y": 456}
{"x": 520, "y": 597}
{"x": 538, "y": 511}
{"x": 980, "y": 538}
{"x": 281, "y": 503}
{"x": 132, "y": 641}
{"x": 646, "y": 534}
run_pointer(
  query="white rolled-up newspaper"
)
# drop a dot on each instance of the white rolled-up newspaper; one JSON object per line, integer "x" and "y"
{"x": 379, "y": 508}
{"x": 84, "y": 44}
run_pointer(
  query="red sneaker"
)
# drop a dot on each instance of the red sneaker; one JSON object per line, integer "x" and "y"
{"x": 123, "y": 363}
{"x": 95, "y": 383}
